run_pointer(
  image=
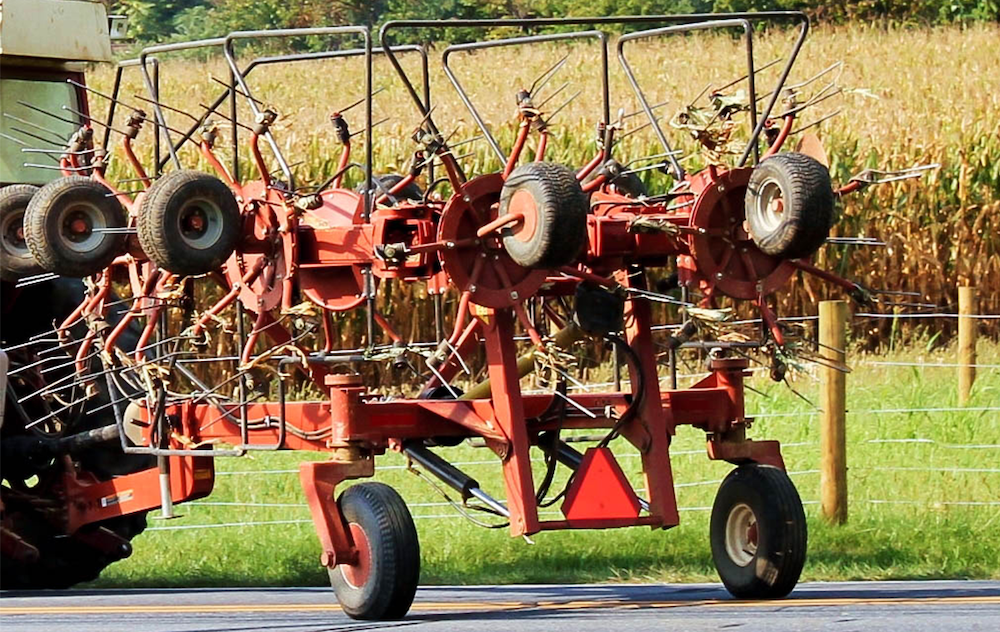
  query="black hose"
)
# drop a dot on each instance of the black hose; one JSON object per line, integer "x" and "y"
{"x": 638, "y": 390}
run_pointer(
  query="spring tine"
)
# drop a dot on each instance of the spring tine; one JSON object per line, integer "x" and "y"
{"x": 36, "y": 279}
{"x": 210, "y": 111}
{"x": 896, "y": 293}
{"x": 238, "y": 90}
{"x": 63, "y": 152}
{"x": 744, "y": 77}
{"x": 36, "y": 137}
{"x": 676, "y": 152}
{"x": 47, "y": 113}
{"x": 876, "y": 176}
{"x": 21, "y": 142}
{"x": 549, "y": 98}
{"x": 14, "y": 139}
{"x": 638, "y": 112}
{"x": 56, "y": 412}
{"x": 560, "y": 108}
{"x": 545, "y": 76}
{"x": 56, "y": 167}
{"x": 374, "y": 125}
{"x": 359, "y": 101}
{"x": 623, "y": 135}
{"x": 466, "y": 141}
{"x": 796, "y": 86}
{"x": 167, "y": 107}
{"x": 818, "y": 121}
{"x": 61, "y": 138}
{"x": 117, "y": 231}
{"x": 91, "y": 119}
{"x": 101, "y": 94}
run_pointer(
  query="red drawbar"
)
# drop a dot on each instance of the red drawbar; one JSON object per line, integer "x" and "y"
{"x": 600, "y": 490}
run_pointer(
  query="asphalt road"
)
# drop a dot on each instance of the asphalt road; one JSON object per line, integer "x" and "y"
{"x": 937, "y": 606}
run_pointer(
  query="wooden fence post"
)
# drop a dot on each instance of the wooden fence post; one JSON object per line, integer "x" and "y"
{"x": 966, "y": 343}
{"x": 833, "y": 401}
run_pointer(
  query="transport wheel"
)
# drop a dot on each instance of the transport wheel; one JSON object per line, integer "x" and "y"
{"x": 789, "y": 205}
{"x": 410, "y": 192}
{"x": 17, "y": 261}
{"x": 381, "y": 585}
{"x": 758, "y": 532}
{"x": 554, "y": 228}
{"x": 189, "y": 222}
{"x": 64, "y": 226}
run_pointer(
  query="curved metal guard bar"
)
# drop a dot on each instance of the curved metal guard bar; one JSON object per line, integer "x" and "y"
{"x": 515, "y": 41}
{"x": 668, "y": 30}
{"x": 728, "y": 20}
{"x": 229, "y": 42}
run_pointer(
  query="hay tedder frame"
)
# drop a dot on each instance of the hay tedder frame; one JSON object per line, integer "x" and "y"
{"x": 541, "y": 257}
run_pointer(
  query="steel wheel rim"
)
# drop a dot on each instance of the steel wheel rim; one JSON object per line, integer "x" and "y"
{"x": 741, "y": 535}
{"x": 12, "y": 229}
{"x": 200, "y": 223}
{"x": 81, "y": 225}
{"x": 769, "y": 206}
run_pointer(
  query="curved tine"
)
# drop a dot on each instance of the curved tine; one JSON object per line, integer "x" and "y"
{"x": 165, "y": 106}
{"x": 101, "y": 94}
{"x": 544, "y": 78}
{"x": 36, "y": 126}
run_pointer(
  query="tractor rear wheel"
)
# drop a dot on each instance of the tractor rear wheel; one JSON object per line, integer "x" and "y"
{"x": 383, "y": 582}
{"x": 789, "y": 205}
{"x": 758, "y": 532}
{"x": 554, "y": 228}
{"x": 17, "y": 261}
{"x": 70, "y": 226}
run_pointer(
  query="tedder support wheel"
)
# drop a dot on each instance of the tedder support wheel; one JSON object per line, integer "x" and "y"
{"x": 382, "y": 584}
{"x": 758, "y": 532}
{"x": 554, "y": 228}
{"x": 789, "y": 205}
{"x": 189, "y": 222}
{"x": 17, "y": 261}
{"x": 65, "y": 226}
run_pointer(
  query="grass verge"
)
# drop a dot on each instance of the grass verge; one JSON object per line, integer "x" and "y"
{"x": 910, "y": 473}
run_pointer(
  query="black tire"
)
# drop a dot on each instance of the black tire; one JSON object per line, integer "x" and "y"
{"x": 770, "y": 566}
{"x": 189, "y": 222}
{"x": 560, "y": 223}
{"x": 59, "y": 226}
{"x": 17, "y": 261}
{"x": 394, "y": 571}
{"x": 410, "y": 192}
{"x": 64, "y": 562}
{"x": 789, "y": 205}
{"x": 630, "y": 184}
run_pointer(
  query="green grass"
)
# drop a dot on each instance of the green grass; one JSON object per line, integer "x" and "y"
{"x": 926, "y": 539}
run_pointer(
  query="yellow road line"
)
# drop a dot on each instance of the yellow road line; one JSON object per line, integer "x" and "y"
{"x": 452, "y": 606}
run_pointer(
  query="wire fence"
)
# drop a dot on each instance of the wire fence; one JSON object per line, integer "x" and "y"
{"x": 856, "y": 471}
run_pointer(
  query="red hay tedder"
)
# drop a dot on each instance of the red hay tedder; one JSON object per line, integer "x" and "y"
{"x": 540, "y": 256}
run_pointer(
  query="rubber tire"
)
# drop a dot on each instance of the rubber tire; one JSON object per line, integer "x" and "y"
{"x": 808, "y": 205}
{"x": 17, "y": 263}
{"x": 631, "y": 185}
{"x": 781, "y": 536}
{"x": 561, "y": 224}
{"x": 395, "y": 554}
{"x": 159, "y": 229}
{"x": 411, "y": 192}
{"x": 65, "y": 562}
{"x": 43, "y": 235}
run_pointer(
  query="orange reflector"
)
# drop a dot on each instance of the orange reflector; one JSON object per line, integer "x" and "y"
{"x": 600, "y": 490}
